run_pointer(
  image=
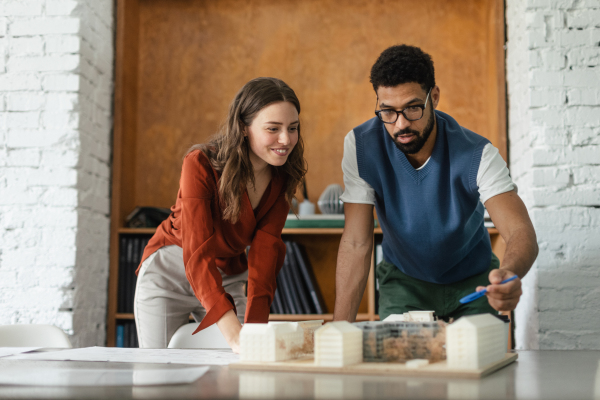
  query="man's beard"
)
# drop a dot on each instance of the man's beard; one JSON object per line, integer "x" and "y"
{"x": 415, "y": 145}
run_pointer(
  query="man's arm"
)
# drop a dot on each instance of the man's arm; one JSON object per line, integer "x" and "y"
{"x": 354, "y": 260}
{"x": 512, "y": 221}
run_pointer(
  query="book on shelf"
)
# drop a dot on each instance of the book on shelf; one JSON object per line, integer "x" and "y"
{"x": 286, "y": 291}
{"x": 293, "y": 283}
{"x": 131, "y": 272}
{"x": 299, "y": 285}
{"x": 127, "y": 335}
{"x": 308, "y": 277}
{"x": 131, "y": 249}
{"x": 285, "y": 309}
{"x": 122, "y": 286}
{"x": 127, "y": 274}
{"x": 120, "y": 337}
{"x": 297, "y": 289}
{"x": 277, "y": 306}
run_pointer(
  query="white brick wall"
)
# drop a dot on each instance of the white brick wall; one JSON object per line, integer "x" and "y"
{"x": 553, "y": 76}
{"x": 56, "y": 72}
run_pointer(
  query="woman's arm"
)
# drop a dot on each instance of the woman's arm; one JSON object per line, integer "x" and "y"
{"x": 230, "y": 327}
{"x": 198, "y": 188}
{"x": 265, "y": 260}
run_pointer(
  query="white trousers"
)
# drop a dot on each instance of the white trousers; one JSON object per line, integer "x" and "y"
{"x": 164, "y": 298}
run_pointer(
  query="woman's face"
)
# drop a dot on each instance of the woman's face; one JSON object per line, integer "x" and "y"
{"x": 273, "y": 134}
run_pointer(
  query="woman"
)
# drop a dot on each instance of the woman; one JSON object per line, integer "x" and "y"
{"x": 234, "y": 192}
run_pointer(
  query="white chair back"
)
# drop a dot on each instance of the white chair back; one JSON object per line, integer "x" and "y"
{"x": 31, "y": 335}
{"x": 209, "y": 338}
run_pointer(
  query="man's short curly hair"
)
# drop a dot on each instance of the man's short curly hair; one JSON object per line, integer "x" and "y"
{"x": 403, "y": 64}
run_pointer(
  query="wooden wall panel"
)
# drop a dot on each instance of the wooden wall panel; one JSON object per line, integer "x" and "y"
{"x": 195, "y": 54}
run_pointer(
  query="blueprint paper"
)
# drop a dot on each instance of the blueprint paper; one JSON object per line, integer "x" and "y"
{"x": 9, "y": 351}
{"x": 153, "y": 356}
{"x": 40, "y": 376}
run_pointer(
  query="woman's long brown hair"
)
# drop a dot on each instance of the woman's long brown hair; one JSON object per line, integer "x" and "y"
{"x": 228, "y": 150}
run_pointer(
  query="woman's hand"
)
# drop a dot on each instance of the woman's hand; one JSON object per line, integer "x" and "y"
{"x": 230, "y": 327}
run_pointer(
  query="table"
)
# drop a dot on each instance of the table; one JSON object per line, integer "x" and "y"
{"x": 541, "y": 374}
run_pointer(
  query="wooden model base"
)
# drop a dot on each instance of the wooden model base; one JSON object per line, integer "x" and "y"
{"x": 439, "y": 369}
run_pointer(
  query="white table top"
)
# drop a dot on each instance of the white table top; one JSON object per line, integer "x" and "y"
{"x": 536, "y": 375}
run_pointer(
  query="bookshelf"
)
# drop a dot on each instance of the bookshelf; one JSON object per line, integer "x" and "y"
{"x": 176, "y": 73}
{"x": 321, "y": 245}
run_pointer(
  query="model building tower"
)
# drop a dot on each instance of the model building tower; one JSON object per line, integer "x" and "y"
{"x": 270, "y": 342}
{"x": 475, "y": 341}
{"x": 338, "y": 344}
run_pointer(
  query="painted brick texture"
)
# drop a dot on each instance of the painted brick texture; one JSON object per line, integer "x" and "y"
{"x": 553, "y": 76}
{"x": 56, "y": 74}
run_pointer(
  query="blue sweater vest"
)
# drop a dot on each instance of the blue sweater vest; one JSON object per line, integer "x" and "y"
{"x": 432, "y": 219}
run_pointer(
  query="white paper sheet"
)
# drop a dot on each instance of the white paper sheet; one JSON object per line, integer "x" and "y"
{"x": 118, "y": 354}
{"x": 99, "y": 377}
{"x": 9, "y": 351}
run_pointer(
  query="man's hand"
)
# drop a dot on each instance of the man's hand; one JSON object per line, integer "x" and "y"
{"x": 230, "y": 327}
{"x": 512, "y": 221}
{"x": 504, "y": 297}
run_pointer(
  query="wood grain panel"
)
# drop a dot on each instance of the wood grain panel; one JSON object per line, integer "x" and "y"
{"x": 195, "y": 54}
{"x": 124, "y": 136}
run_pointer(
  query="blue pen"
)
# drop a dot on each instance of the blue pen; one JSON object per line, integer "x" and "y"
{"x": 476, "y": 295}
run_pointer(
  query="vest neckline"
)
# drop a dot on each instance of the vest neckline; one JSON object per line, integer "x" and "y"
{"x": 420, "y": 174}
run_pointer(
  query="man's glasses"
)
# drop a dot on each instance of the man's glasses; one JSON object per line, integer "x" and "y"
{"x": 411, "y": 113}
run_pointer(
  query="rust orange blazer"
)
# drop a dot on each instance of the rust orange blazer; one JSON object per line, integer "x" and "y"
{"x": 208, "y": 242}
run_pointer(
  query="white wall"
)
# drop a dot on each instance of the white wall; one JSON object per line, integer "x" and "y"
{"x": 56, "y": 78}
{"x": 56, "y": 73}
{"x": 553, "y": 77}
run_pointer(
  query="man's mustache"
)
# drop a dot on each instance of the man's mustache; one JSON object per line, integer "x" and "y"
{"x": 406, "y": 132}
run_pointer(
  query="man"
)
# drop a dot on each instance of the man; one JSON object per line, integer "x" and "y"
{"x": 427, "y": 177}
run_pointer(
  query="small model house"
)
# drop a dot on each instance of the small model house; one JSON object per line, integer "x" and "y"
{"x": 338, "y": 344}
{"x": 270, "y": 342}
{"x": 475, "y": 341}
{"x": 411, "y": 316}
{"x": 309, "y": 328}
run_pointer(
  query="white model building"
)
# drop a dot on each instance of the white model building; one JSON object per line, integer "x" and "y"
{"x": 411, "y": 316}
{"x": 338, "y": 344}
{"x": 475, "y": 341}
{"x": 270, "y": 342}
{"x": 309, "y": 328}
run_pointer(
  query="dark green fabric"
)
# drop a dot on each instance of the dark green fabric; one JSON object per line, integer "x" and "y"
{"x": 400, "y": 293}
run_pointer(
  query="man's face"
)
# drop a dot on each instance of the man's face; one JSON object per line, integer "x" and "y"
{"x": 408, "y": 136}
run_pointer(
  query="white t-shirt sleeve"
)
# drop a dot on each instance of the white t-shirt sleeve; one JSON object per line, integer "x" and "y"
{"x": 493, "y": 177}
{"x": 356, "y": 189}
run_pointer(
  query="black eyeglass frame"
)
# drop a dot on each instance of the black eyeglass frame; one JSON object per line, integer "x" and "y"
{"x": 421, "y": 106}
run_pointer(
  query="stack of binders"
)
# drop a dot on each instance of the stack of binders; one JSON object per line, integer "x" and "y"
{"x": 130, "y": 255}
{"x": 297, "y": 290}
{"x": 127, "y": 334}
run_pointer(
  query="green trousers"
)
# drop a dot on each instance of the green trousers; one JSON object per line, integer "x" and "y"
{"x": 400, "y": 293}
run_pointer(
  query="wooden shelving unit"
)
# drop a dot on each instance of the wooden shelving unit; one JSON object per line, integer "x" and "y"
{"x": 322, "y": 244}
{"x": 172, "y": 91}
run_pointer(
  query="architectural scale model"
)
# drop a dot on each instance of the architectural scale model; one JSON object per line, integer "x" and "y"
{"x": 338, "y": 344}
{"x": 416, "y": 363}
{"x": 415, "y": 340}
{"x": 270, "y": 342}
{"x": 411, "y": 316}
{"x": 309, "y": 328}
{"x": 474, "y": 341}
